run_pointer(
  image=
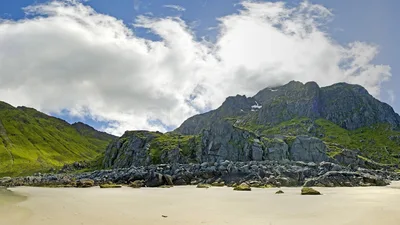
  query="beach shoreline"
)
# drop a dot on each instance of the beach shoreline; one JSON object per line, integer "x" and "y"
{"x": 190, "y": 205}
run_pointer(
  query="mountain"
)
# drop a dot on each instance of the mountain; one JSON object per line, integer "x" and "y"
{"x": 348, "y": 106}
{"x": 33, "y": 141}
{"x": 342, "y": 123}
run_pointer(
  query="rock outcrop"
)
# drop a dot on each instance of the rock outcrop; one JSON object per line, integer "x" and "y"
{"x": 132, "y": 149}
{"x": 221, "y": 141}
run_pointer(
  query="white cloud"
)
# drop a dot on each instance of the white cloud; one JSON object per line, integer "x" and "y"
{"x": 67, "y": 56}
{"x": 392, "y": 96}
{"x": 176, "y": 7}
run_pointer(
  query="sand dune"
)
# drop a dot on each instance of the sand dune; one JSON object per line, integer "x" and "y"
{"x": 188, "y": 205}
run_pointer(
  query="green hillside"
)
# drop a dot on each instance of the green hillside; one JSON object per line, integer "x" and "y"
{"x": 32, "y": 141}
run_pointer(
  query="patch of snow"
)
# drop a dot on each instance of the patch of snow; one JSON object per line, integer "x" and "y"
{"x": 256, "y": 107}
{"x": 273, "y": 90}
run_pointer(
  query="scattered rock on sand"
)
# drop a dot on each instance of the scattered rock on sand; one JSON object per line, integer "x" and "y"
{"x": 84, "y": 183}
{"x": 137, "y": 184}
{"x": 203, "y": 186}
{"x": 218, "y": 184}
{"x": 242, "y": 187}
{"x": 110, "y": 186}
{"x": 309, "y": 191}
{"x": 279, "y": 192}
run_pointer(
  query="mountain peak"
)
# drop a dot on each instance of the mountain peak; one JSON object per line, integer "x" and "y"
{"x": 347, "y": 105}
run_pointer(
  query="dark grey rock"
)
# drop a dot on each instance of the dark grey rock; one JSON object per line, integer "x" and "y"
{"x": 308, "y": 149}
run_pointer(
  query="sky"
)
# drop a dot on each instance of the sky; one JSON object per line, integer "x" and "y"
{"x": 135, "y": 64}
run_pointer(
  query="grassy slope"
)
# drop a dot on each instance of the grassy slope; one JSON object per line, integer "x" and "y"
{"x": 33, "y": 141}
{"x": 374, "y": 142}
{"x": 170, "y": 141}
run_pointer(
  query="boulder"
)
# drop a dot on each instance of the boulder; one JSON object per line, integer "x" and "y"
{"x": 242, "y": 187}
{"x": 137, "y": 184}
{"x": 309, "y": 191}
{"x": 203, "y": 186}
{"x": 85, "y": 183}
{"x": 168, "y": 180}
{"x": 155, "y": 180}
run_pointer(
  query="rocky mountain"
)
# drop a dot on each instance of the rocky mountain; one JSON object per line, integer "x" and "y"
{"x": 341, "y": 123}
{"x": 348, "y": 106}
{"x": 32, "y": 141}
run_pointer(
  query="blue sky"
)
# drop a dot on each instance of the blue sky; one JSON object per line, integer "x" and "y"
{"x": 368, "y": 21}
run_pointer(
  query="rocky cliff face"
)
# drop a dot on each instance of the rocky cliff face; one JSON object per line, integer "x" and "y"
{"x": 221, "y": 141}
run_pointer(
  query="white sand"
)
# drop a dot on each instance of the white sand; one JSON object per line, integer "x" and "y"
{"x": 191, "y": 206}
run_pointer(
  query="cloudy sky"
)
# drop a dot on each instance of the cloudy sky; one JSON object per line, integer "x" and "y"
{"x": 135, "y": 64}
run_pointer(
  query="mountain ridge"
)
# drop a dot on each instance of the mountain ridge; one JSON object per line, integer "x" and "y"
{"x": 310, "y": 101}
{"x": 34, "y": 142}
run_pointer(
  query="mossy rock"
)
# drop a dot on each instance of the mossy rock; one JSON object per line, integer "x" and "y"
{"x": 110, "y": 186}
{"x": 137, "y": 184}
{"x": 203, "y": 186}
{"x": 54, "y": 185}
{"x": 309, "y": 191}
{"x": 85, "y": 183}
{"x": 242, "y": 187}
{"x": 267, "y": 186}
{"x": 257, "y": 185}
{"x": 166, "y": 186}
{"x": 231, "y": 184}
{"x": 218, "y": 184}
{"x": 279, "y": 192}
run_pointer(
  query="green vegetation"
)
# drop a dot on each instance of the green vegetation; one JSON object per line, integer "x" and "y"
{"x": 296, "y": 126}
{"x": 309, "y": 191}
{"x": 32, "y": 141}
{"x": 374, "y": 142}
{"x": 172, "y": 141}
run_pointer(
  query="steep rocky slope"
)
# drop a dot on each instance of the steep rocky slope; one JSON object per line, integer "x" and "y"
{"x": 341, "y": 123}
{"x": 32, "y": 141}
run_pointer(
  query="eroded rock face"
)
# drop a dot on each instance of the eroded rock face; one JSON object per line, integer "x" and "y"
{"x": 132, "y": 149}
{"x": 308, "y": 149}
{"x": 222, "y": 141}
{"x": 275, "y": 149}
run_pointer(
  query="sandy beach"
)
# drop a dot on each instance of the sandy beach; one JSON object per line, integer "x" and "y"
{"x": 189, "y": 205}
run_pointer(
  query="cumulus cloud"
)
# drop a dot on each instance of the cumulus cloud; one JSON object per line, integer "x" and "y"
{"x": 67, "y": 56}
{"x": 176, "y": 7}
